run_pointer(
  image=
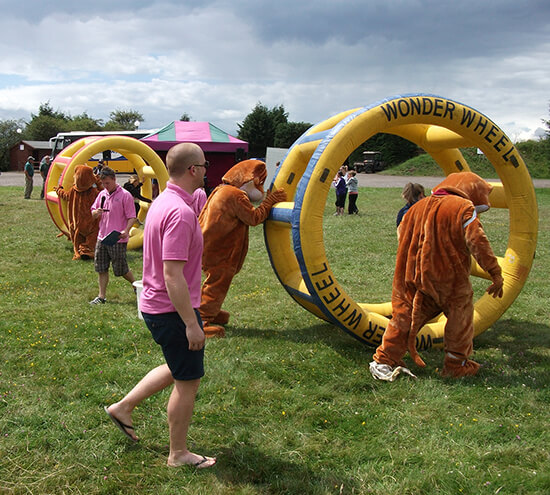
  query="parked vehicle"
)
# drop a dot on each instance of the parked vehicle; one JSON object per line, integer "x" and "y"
{"x": 372, "y": 162}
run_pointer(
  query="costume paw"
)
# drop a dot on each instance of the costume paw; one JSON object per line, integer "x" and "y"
{"x": 214, "y": 331}
{"x": 457, "y": 368}
{"x": 388, "y": 373}
{"x": 222, "y": 318}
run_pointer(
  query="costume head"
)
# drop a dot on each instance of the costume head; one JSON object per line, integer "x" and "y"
{"x": 246, "y": 171}
{"x": 83, "y": 178}
{"x": 468, "y": 185}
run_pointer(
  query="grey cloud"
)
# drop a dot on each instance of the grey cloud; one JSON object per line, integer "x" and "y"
{"x": 216, "y": 59}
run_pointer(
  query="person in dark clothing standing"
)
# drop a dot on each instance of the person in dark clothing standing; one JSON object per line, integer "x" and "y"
{"x": 133, "y": 186}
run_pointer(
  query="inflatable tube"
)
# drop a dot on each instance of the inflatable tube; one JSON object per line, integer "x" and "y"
{"x": 294, "y": 230}
{"x": 142, "y": 158}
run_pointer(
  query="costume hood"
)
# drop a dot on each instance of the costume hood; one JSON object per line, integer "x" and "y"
{"x": 83, "y": 178}
{"x": 244, "y": 172}
{"x": 468, "y": 185}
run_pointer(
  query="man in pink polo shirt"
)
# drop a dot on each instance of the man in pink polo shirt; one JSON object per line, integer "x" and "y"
{"x": 172, "y": 253}
{"x": 114, "y": 206}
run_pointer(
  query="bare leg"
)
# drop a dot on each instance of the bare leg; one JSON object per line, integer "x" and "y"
{"x": 129, "y": 276}
{"x": 156, "y": 380}
{"x": 103, "y": 281}
{"x": 180, "y": 410}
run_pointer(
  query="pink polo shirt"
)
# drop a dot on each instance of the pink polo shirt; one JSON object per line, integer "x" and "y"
{"x": 199, "y": 200}
{"x": 120, "y": 204}
{"x": 172, "y": 232}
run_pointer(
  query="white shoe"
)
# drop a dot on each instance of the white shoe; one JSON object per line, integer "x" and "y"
{"x": 386, "y": 373}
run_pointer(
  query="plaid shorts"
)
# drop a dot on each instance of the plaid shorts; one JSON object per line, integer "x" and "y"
{"x": 104, "y": 255}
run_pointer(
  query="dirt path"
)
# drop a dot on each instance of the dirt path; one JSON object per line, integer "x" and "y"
{"x": 365, "y": 180}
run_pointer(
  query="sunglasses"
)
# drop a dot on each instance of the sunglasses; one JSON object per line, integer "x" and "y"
{"x": 206, "y": 164}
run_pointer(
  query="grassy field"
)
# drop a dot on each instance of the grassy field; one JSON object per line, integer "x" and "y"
{"x": 287, "y": 403}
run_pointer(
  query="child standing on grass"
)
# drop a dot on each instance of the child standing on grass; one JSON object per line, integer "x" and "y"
{"x": 412, "y": 192}
{"x": 353, "y": 191}
{"x": 341, "y": 191}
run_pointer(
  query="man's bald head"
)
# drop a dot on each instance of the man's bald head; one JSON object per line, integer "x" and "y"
{"x": 182, "y": 156}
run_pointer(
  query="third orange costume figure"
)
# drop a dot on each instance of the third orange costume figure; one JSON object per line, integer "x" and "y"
{"x": 436, "y": 238}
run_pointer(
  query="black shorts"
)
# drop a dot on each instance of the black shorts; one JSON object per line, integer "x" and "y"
{"x": 341, "y": 200}
{"x": 116, "y": 254}
{"x": 168, "y": 330}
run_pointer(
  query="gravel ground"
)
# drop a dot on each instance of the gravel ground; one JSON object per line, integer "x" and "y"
{"x": 365, "y": 180}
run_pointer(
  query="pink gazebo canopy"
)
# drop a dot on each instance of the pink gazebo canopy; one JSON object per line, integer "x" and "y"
{"x": 209, "y": 137}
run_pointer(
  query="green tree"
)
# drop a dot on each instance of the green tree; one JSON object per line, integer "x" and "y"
{"x": 394, "y": 149}
{"x": 287, "y": 133}
{"x": 185, "y": 117}
{"x": 547, "y": 124}
{"x": 46, "y": 110}
{"x": 46, "y": 124}
{"x": 85, "y": 123}
{"x": 123, "y": 120}
{"x": 43, "y": 127}
{"x": 259, "y": 126}
{"x": 546, "y": 140}
{"x": 8, "y": 137}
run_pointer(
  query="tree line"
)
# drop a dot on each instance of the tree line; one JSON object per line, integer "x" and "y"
{"x": 266, "y": 127}
{"x": 49, "y": 122}
{"x": 263, "y": 127}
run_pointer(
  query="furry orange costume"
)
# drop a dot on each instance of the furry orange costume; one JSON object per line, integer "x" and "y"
{"x": 432, "y": 270}
{"x": 83, "y": 228}
{"x": 224, "y": 221}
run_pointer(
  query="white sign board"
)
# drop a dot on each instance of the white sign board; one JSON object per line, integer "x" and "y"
{"x": 273, "y": 156}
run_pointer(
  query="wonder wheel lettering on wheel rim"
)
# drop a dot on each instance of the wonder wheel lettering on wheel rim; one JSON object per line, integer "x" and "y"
{"x": 143, "y": 159}
{"x": 294, "y": 231}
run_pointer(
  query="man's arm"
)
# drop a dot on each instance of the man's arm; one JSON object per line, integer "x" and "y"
{"x": 95, "y": 209}
{"x": 130, "y": 213}
{"x": 126, "y": 232}
{"x": 178, "y": 292}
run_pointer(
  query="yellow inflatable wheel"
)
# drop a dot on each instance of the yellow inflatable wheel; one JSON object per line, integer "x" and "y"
{"x": 294, "y": 230}
{"x": 143, "y": 159}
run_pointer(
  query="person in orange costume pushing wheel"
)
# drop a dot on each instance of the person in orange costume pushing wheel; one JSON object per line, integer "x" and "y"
{"x": 224, "y": 221}
{"x": 432, "y": 275}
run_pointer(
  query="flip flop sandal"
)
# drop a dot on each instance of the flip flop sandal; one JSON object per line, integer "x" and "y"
{"x": 204, "y": 459}
{"x": 120, "y": 425}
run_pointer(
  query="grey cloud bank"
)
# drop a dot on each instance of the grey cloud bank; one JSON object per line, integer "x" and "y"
{"x": 216, "y": 61}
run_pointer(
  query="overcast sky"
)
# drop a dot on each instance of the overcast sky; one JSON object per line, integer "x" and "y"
{"x": 215, "y": 61}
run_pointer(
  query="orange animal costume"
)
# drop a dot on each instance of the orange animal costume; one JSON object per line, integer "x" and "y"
{"x": 224, "y": 221}
{"x": 83, "y": 228}
{"x": 432, "y": 270}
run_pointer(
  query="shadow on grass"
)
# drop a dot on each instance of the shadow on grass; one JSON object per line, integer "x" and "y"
{"x": 245, "y": 465}
{"x": 323, "y": 333}
{"x": 515, "y": 353}
{"x": 511, "y": 353}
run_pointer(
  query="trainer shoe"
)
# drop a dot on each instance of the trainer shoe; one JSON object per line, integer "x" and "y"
{"x": 98, "y": 300}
